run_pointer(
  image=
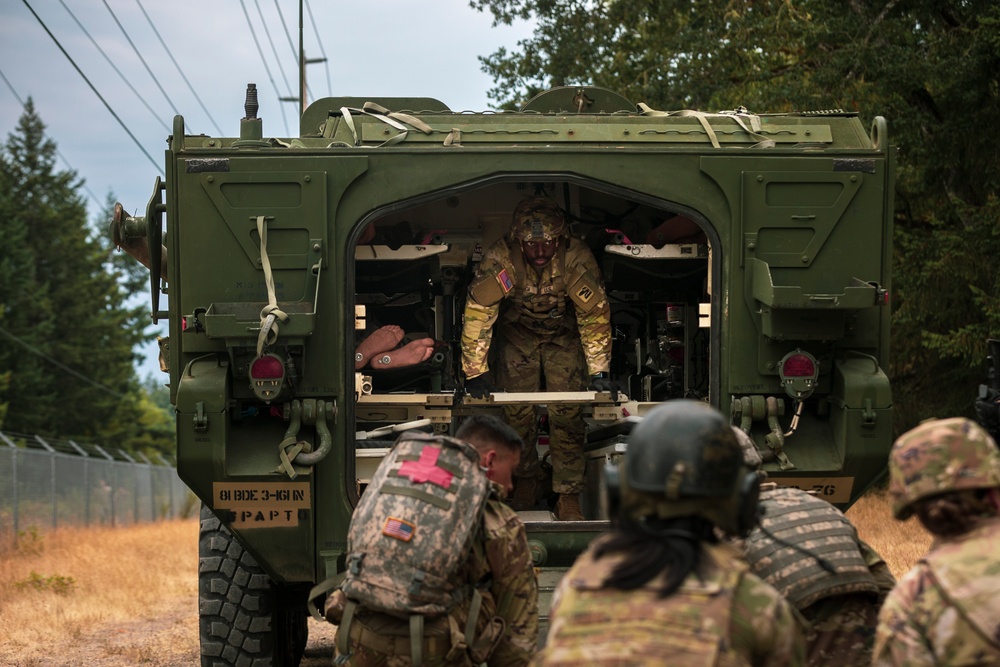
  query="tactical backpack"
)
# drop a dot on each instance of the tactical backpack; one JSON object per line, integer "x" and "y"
{"x": 411, "y": 533}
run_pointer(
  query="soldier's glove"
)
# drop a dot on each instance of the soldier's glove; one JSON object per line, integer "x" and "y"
{"x": 988, "y": 411}
{"x": 479, "y": 386}
{"x": 603, "y": 382}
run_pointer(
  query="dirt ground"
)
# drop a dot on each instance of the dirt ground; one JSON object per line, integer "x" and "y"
{"x": 168, "y": 638}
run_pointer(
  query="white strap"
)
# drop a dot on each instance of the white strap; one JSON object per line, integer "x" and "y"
{"x": 270, "y": 314}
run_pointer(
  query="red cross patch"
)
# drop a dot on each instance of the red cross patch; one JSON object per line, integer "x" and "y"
{"x": 425, "y": 469}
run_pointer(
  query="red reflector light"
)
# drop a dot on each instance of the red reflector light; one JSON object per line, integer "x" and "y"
{"x": 798, "y": 365}
{"x": 267, "y": 367}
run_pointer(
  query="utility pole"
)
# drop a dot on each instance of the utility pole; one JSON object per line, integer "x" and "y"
{"x": 303, "y": 61}
{"x": 302, "y": 67}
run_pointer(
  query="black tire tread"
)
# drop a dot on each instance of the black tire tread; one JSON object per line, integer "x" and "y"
{"x": 235, "y": 601}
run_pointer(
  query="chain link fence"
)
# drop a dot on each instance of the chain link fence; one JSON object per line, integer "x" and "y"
{"x": 47, "y": 484}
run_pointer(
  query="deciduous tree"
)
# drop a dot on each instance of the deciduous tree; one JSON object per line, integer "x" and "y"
{"x": 931, "y": 67}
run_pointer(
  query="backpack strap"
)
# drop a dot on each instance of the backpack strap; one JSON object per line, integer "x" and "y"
{"x": 322, "y": 588}
{"x": 470, "y": 622}
{"x": 343, "y": 634}
{"x": 416, "y": 640}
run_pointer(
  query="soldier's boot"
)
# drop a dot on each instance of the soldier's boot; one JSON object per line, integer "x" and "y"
{"x": 525, "y": 494}
{"x": 568, "y": 507}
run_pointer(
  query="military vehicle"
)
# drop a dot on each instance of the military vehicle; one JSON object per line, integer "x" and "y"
{"x": 746, "y": 258}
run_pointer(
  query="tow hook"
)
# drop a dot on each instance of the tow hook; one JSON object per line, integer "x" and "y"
{"x": 294, "y": 452}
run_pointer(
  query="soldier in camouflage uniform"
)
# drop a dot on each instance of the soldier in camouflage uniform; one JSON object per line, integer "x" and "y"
{"x": 811, "y": 553}
{"x": 660, "y": 588}
{"x": 946, "y": 610}
{"x": 542, "y": 289}
{"x": 499, "y": 556}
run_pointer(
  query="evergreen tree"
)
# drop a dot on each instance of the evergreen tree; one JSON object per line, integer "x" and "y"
{"x": 70, "y": 337}
{"x": 4, "y": 381}
{"x": 23, "y": 287}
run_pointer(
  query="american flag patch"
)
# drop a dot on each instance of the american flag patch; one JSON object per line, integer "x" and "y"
{"x": 399, "y": 529}
{"x": 505, "y": 282}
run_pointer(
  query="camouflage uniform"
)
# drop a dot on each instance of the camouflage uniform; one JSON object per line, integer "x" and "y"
{"x": 946, "y": 610}
{"x": 842, "y": 606}
{"x": 501, "y": 556}
{"x": 723, "y": 616}
{"x": 554, "y": 322}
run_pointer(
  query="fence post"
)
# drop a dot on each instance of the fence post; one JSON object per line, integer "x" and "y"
{"x": 152, "y": 484}
{"x": 52, "y": 475}
{"x": 135, "y": 485}
{"x": 170, "y": 485}
{"x": 114, "y": 476}
{"x": 13, "y": 469}
{"x": 86, "y": 482}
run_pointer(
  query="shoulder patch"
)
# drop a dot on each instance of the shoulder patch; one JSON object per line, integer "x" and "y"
{"x": 585, "y": 292}
{"x": 506, "y": 284}
{"x": 399, "y": 529}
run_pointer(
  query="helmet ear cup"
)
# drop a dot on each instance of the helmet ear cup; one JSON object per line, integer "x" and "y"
{"x": 748, "y": 506}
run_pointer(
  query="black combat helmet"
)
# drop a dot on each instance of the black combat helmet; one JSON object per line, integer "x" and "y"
{"x": 683, "y": 459}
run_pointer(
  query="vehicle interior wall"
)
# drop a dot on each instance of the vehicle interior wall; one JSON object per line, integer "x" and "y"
{"x": 413, "y": 267}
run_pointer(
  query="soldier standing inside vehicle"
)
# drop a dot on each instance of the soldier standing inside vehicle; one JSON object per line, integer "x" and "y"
{"x": 555, "y": 323}
{"x": 505, "y": 632}
{"x": 660, "y": 588}
{"x": 811, "y": 553}
{"x": 946, "y": 610}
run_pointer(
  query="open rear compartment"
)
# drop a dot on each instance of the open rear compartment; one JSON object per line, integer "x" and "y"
{"x": 413, "y": 266}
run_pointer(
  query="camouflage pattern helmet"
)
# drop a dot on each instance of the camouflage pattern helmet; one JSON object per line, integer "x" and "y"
{"x": 683, "y": 459}
{"x": 939, "y": 456}
{"x": 537, "y": 219}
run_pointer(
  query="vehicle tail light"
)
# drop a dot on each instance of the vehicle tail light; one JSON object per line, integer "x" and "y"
{"x": 267, "y": 375}
{"x": 798, "y": 364}
{"x": 798, "y": 371}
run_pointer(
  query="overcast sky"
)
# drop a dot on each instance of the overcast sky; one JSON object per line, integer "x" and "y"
{"x": 390, "y": 47}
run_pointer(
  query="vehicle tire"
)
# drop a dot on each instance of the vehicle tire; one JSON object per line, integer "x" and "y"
{"x": 244, "y": 618}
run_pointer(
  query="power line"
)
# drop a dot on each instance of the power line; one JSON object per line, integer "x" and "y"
{"x": 274, "y": 50}
{"x": 141, "y": 59}
{"x": 267, "y": 69}
{"x": 288, "y": 35}
{"x": 99, "y": 96}
{"x": 115, "y": 67}
{"x": 62, "y": 157}
{"x": 179, "y": 70}
{"x": 61, "y": 365}
{"x": 319, "y": 40}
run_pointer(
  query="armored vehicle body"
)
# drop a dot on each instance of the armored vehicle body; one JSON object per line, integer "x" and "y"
{"x": 746, "y": 258}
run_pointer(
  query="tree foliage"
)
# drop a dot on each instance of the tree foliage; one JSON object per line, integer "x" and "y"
{"x": 69, "y": 335}
{"x": 931, "y": 67}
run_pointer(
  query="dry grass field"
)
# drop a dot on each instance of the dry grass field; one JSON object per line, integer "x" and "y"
{"x": 899, "y": 543}
{"x": 118, "y": 597}
{"x": 99, "y": 596}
